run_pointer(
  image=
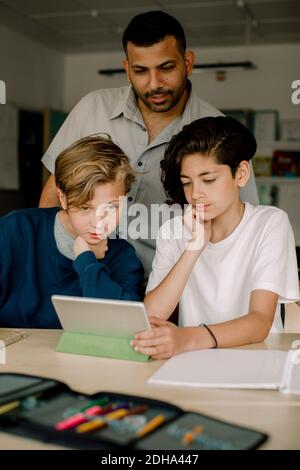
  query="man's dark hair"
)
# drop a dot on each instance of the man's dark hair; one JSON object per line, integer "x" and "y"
{"x": 226, "y": 140}
{"x": 152, "y": 27}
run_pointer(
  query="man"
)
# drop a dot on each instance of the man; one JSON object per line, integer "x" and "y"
{"x": 141, "y": 118}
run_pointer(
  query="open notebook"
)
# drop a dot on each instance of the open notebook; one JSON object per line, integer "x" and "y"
{"x": 232, "y": 368}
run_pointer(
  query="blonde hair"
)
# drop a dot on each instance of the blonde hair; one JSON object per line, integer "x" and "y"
{"x": 88, "y": 162}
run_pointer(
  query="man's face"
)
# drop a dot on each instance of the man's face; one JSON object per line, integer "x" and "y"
{"x": 158, "y": 73}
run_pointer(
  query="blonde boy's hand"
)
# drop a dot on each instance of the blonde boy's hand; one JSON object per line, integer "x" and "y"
{"x": 99, "y": 249}
{"x": 163, "y": 341}
{"x": 80, "y": 246}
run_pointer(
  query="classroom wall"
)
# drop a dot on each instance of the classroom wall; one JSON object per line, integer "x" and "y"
{"x": 33, "y": 73}
{"x": 37, "y": 76}
{"x": 34, "y": 77}
{"x": 269, "y": 86}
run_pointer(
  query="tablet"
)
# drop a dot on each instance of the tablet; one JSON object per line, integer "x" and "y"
{"x": 114, "y": 318}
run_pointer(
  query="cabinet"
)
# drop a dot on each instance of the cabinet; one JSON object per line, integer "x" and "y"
{"x": 282, "y": 192}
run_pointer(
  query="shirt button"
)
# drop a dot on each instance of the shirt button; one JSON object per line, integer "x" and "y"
{"x": 130, "y": 199}
{"x": 139, "y": 163}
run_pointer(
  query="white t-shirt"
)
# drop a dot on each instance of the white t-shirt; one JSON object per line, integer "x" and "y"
{"x": 258, "y": 254}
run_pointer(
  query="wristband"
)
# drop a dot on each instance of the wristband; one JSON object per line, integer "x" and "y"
{"x": 211, "y": 334}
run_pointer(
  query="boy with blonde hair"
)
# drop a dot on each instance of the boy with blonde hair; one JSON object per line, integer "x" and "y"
{"x": 68, "y": 251}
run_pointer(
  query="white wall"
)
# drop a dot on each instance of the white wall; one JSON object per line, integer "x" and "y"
{"x": 37, "y": 76}
{"x": 267, "y": 87}
{"x": 81, "y": 75}
{"x": 33, "y": 73}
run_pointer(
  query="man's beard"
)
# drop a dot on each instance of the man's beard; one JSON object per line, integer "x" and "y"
{"x": 172, "y": 95}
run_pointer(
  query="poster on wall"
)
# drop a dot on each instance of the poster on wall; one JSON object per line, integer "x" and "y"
{"x": 9, "y": 174}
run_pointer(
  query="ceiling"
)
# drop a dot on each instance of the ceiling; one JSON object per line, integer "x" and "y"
{"x": 97, "y": 25}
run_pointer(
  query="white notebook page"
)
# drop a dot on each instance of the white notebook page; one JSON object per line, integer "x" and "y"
{"x": 223, "y": 368}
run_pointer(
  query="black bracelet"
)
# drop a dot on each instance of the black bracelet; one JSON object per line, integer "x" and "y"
{"x": 211, "y": 334}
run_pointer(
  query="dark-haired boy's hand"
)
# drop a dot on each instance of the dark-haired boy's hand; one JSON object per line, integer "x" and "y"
{"x": 163, "y": 340}
{"x": 199, "y": 228}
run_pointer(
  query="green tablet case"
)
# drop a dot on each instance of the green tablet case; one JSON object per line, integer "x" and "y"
{"x": 101, "y": 346}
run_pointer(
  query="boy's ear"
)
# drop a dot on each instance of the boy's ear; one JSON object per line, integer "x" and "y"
{"x": 243, "y": 173}
{"x": 62, "y": 199}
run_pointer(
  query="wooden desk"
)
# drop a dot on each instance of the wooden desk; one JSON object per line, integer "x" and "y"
{"x": 272, "y": 412}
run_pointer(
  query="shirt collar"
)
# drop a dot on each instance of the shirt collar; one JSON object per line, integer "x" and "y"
{"x": 187, "y": 115}
{"x": 126, "y": 106}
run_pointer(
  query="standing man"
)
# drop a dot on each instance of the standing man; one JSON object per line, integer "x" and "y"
{"x": 143, "y": 117}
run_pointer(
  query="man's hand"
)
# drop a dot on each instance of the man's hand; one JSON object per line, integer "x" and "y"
{"x": 163, "y": 341}
{"x": 49, "y": 195}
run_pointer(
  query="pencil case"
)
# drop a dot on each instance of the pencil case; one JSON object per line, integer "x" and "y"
{"x": 49, "y": 411}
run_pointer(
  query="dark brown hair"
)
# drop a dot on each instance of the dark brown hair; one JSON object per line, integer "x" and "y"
{"x": 226, "y": 140}
{"x": 152, "y": 27}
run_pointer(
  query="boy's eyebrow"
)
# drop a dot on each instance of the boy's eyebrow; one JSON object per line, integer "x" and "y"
{"x": 108, "y": 202}
{"x": 200, "y": 174}
{"x": 89, "y": 204}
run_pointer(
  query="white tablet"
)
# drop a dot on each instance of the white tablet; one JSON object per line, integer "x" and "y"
{"x": 115, "y": 318}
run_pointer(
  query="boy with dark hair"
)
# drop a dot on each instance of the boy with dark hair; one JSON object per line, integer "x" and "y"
{"x": 229, "y": 264}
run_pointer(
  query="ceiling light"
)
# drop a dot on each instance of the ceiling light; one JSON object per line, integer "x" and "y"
{"x": 228, "y": 66}
{"x": 94, "y": 13}
{"x": 198, "y": 68}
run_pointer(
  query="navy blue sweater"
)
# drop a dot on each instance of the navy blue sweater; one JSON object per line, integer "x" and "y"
{"x": 32, "y": 269}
